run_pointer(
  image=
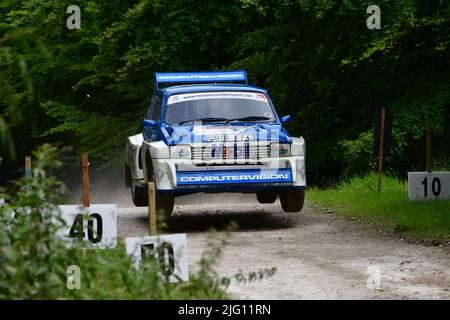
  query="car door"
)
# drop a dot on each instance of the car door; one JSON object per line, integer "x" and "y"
{"x": 156, "y": 117}
{"x": 153, "y": 113}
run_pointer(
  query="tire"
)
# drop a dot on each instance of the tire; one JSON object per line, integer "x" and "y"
{"x": 127, "y": 176}
{"x": 266, "y": 196}
{"x": 140, "y": 196}
{"x": 164, "y": 203}
{"x": 292, "y": 200}
{"x": 164, "y": 200}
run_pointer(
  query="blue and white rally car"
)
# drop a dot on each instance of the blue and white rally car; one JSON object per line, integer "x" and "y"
{"x": 212, "y": 132}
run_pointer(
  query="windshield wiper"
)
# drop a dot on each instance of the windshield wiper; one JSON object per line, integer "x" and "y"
{"x": 251, "y": 118}
{"x": 204, "y": 120}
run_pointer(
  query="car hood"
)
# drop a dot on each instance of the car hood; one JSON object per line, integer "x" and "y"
{"x": 219, "y": 133}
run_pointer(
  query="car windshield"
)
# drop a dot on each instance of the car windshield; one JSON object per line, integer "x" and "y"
{"x": 218, "y": 107}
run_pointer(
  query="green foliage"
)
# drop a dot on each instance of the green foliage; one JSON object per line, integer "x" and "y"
{"x": 102, "y": 135}
{"x": 89, "y": 88}
{"x": 34, "y": 261}
{"x": 441, "y": 163}
{"x": 358, "y": 197}
{"x": 358, "y": 154}
{"x": 322, "y": 64}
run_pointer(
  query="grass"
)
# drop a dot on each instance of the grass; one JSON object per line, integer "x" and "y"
{"x": 358, "y": 197}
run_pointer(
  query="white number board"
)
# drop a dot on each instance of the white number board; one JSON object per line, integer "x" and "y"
{"x": 96, "y": 225}
{"x": 170, "y": 251}
{"x": 428, "y": 185}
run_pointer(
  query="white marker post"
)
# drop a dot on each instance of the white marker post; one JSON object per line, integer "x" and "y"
{"x": 428, "y": 185}
{"x": 96, "y": 225}
{"x": 170, "y": 251}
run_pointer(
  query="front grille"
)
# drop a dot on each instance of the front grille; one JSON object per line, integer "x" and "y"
{"x": 231, "y": 152}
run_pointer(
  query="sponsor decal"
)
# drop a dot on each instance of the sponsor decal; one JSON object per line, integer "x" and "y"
{"x": 247, "y": 177}
{"x": 261, "y": 96}
{"x": 255, "y": 176}
{"x": 216, "y": 95}
{"x": 229, "y": 152}
{"x": 161, "y": 175}
{"x": 223, "y": 133}
{"x": 200, "y": 76}
{"x": 229, "y": 137}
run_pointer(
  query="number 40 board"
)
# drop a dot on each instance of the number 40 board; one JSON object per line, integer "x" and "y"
{"x": 428, "y": 185}
{"x": 96, "y": 225}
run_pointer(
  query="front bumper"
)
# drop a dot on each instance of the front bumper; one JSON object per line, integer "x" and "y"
{"x": 181, "y": 175}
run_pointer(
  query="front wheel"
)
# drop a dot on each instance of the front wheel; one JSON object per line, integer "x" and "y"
{"x": 164, "y": 203}
{"x": 139, "y": 196}
{"x": 292, "y": 200}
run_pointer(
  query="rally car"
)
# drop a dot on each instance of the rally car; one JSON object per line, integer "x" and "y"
{"x": 212, "y": 132}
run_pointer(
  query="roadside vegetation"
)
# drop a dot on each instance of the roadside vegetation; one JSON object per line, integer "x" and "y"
{"x": 34, "y": 261}
{"x": 358, "y": 197}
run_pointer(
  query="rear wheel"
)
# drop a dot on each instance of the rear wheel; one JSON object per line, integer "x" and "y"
{"x": 127, "y": 175}
{"x": 266, "y": 196}
{"x": 292, "y": 200}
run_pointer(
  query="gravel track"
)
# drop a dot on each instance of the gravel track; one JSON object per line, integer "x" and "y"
{"x": 317, "y": 255}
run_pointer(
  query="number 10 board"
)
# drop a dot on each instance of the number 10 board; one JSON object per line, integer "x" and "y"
{"x": 428, "y": 185}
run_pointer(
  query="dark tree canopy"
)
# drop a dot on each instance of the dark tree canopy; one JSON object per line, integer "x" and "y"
{"x": 89, "y": 88}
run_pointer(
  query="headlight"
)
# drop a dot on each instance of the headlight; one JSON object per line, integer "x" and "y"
{"x": 180, "y": 152}
{"x": 280, "y": 149}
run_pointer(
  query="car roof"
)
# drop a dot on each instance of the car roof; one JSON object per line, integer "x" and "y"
{"x": 209, "y": 87}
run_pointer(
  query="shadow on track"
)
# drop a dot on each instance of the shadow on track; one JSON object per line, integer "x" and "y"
{"x": 255, "y": 220}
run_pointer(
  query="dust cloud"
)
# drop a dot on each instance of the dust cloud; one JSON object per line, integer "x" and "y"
{"x": 106, "y": 186}
{"x": 109, "y": 187}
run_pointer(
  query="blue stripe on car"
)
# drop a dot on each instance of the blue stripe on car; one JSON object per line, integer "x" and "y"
{"x": 189, "y": 178}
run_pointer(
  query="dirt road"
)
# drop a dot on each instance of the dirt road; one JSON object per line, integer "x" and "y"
{"x": 317, "y": 255}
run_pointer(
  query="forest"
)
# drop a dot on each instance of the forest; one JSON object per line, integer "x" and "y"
{"x": 87, "y": 89}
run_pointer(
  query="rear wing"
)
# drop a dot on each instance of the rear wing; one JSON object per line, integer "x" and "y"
{"x": 239, "y": 76}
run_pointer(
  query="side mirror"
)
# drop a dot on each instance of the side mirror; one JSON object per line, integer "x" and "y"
{"x": 149, "y": 123}
{"x": 286, "y": 119}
